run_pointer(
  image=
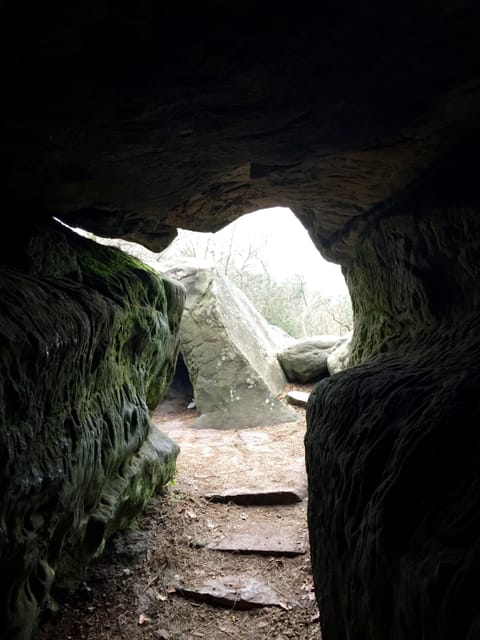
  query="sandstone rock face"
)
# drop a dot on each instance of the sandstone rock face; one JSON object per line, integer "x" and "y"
{"x": 393, "y": 445}
{"x": 195, "y": 127}
{"x": 339, "y": 358}
{"x": 88, "y": 342}
{"x": 230, "y": 352}
{"x": 132, "y": 119}
{"x": 306, "y": 360}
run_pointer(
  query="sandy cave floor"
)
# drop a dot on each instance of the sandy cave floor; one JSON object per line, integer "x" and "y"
{"x": 131, "y": 592}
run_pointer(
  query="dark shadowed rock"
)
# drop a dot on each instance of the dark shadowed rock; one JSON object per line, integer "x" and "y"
{"x": 230, "y": 352}
{"x": 306, "y": 360}
{"x": 232, "y": 592}
{"x": 266, "y": 497}
{"x": 138, "y": 140}
{"x": 392, "y": 444}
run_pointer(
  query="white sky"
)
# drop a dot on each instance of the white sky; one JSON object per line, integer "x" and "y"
{"x": 287, "y": 248}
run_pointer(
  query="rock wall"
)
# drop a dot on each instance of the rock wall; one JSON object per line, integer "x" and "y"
{"x": 393, "y": 444}
{"x": 132, "y": 119}
{"x": 162, "y": 115}
{"x": 88, "y": 342}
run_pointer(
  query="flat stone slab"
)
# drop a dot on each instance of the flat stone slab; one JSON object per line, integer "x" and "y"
{"x": 231, "y": 592}
{"x": 270, "y": 497}
{"x": 262, "y": 542}
{"x": 297, "y": 398}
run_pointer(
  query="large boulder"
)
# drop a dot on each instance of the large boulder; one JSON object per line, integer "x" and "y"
{"x": 88, "y": 342}
{"x": 230, "y": 352}
{"x": 305, "y": 360}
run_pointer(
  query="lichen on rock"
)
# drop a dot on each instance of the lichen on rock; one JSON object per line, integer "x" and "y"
{"x": 88, "y": 343}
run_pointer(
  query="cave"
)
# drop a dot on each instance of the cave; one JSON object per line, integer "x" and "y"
{"x": 180, "y": 392}
{"x": 132, "y": 119}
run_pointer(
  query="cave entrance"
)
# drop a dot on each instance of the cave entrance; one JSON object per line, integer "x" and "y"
{"x": 226, "y": 554}
{"x": 241, "y": 483}
{"x": 268, "y": 257}
{"x": 180, "y": 394}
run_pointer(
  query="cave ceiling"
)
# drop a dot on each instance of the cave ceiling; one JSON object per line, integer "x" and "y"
{"x": 133, "y": 119}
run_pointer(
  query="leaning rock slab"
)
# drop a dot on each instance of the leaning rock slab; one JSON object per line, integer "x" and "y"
{"x": 232, "y": 592}
{"x": 306, "y": 360}
{"x": 230, "y": 352}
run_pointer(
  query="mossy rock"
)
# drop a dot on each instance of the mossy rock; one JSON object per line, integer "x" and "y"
{"x": 88, "y": 345}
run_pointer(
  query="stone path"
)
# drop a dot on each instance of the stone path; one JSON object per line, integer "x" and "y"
{"x": 192, "y": 568}
{"x": 247, "y": 471}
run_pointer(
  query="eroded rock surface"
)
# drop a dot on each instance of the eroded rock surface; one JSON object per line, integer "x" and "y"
{"x": 162, "y": 115}
{"x": 230, "y": 352}
{"x": 133, "y": 119}
{"x": 393, "y": 445}
{"x": 88, "y": 343}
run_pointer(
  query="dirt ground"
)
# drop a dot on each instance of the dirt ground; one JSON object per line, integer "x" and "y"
{"x": 132, "y": 592}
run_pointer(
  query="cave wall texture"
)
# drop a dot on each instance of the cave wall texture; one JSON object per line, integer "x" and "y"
{"x": 392, "y": 444}
{"x": 89, "y": 342}
{"x": 136, "y": 118}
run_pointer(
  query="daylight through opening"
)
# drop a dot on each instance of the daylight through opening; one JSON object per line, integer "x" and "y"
{"x": 269, "y": 255}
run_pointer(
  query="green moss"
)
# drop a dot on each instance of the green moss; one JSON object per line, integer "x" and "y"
{"x": 88, "y": 347}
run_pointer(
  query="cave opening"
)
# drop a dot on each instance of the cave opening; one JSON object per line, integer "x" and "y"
{"x": 180, "y": 391}
{"x": 138, "y": 120}
{"x": 268, "y": 257}
{"x": 243, "y": 488}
